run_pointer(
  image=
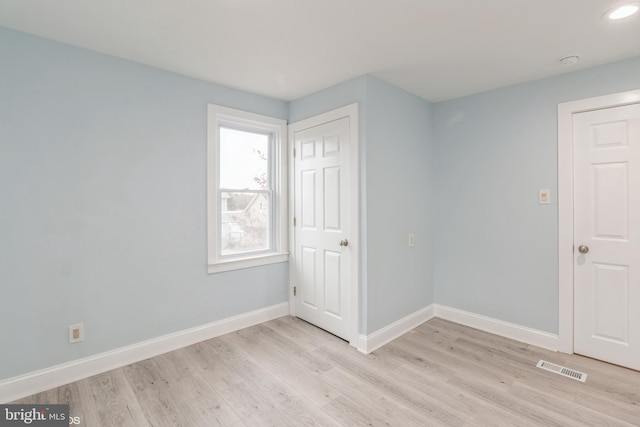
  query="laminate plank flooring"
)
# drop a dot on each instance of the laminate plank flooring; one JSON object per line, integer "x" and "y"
{"x": 288, "y": 373}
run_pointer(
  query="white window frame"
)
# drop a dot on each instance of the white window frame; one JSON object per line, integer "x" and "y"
{"x": 218, "y": 116}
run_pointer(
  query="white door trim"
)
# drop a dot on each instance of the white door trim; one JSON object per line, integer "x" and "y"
{"x": 350, "y": 111}
{"x": 566, "y": 110}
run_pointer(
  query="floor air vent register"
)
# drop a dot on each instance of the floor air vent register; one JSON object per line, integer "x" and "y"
{"x": 561, "y": 370}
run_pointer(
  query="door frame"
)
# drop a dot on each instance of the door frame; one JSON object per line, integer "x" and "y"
{"x": 350, "y": 111}
{"x": 566, "y": 110}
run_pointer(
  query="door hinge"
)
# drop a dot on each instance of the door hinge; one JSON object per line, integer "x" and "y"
{"x": 295, "y": 290}
{"x": 294, "y": 152}
{"x": 294, "y": 221}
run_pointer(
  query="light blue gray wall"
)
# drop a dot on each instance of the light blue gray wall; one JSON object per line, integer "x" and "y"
{"x": 495, "y": 247}
{"x": 346, "y": 93}
{"x": 102, "y": 204}
{"x": 400, "y": 180}
{"x": 396, "y": 178}
{"x": 103, "y": 216}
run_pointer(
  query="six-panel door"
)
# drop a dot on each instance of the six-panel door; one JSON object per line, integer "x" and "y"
{"x": 607, "y": 234}
{"x": 322, "y": 222}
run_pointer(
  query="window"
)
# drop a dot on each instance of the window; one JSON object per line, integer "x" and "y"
{"x": 247, "y": 201}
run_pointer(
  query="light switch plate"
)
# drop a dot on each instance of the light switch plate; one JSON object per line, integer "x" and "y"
{"x": 544, "y": 196}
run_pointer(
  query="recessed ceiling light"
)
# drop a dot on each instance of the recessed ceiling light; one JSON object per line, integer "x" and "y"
{"x": 569, "y": 60}
{"x": 623, "y": 11}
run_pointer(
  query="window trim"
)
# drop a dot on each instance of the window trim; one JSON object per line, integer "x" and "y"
{"x": 216, "y": 116}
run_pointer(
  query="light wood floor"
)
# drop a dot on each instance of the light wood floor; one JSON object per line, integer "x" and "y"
{"x": 288, "y": 373}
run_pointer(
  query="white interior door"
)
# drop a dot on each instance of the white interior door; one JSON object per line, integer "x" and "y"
{"x": 607, "y": 234}
{"x": 322, "y": 225}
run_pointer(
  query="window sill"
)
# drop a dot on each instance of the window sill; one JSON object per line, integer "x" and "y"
{"x": 255, "y": 261}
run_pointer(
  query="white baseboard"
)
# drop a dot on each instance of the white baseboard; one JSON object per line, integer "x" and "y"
{"x": 498, "y": 327}
{"x": 55, "y": 376}
{"x": 372, "y": 342}
{"x": 45, "y": 379}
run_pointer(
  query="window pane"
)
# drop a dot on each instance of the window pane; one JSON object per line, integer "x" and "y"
{"x": 245, "y": 222}
{"x": 244, "y": 160}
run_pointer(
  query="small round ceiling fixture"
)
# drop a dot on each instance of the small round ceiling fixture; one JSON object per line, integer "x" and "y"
{"x": 569, "y": 60}
{"x": 623, "y": 11}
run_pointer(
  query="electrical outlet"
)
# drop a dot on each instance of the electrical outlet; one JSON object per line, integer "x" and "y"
{"x": 544, "y": 197}
{"x": 412, "y": 240}
{"x": 76, "y": 333}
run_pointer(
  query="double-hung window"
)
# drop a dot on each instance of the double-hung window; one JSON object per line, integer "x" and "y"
{"x": 247, "y": 199}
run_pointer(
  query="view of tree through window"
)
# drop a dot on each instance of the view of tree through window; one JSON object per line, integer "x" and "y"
{"x": 245, "y": 191}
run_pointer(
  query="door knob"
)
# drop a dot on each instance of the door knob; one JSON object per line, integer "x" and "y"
{"x": 344, "y": 242}
{"x": 583, "y": 249}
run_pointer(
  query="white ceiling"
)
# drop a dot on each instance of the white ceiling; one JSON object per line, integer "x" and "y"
{"x": 285, "y": 49}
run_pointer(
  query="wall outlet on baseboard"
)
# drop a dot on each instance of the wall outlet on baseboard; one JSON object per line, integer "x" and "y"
{"x": 76, "y": 333}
